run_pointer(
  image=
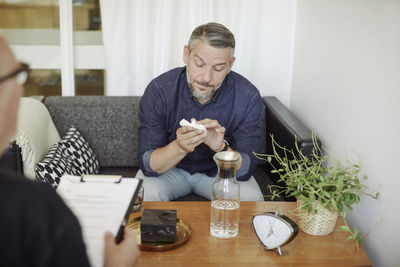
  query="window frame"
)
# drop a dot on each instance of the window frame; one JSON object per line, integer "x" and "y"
{"x": 64, "y": 56}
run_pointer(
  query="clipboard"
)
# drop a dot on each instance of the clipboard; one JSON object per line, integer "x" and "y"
{"x": 101, "y": 203}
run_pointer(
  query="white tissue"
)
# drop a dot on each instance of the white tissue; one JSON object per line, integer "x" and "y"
{"x": 192, "y": 124}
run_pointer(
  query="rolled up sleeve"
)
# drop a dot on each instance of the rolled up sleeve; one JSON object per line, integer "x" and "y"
{"x": 151, "y": 133}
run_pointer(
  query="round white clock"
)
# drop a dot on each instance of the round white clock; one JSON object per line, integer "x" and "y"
{"x": 274, "y": 230}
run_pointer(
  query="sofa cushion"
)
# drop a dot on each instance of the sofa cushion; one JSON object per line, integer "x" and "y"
{"x": 76, "y": 149}
{"x": 109, "y": 124}
{"x": 71, "y": 155}
{"x": 53, "y": 166}
{"x": 35, "y": 133}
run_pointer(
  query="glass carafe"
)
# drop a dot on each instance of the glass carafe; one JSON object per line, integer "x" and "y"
{"x": 225, "y": 199}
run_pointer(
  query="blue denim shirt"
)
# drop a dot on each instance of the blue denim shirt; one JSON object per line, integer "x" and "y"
{"x": 237, "y": 106}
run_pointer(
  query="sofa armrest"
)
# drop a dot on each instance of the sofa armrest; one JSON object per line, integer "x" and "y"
{"x": 11, "y": 159}
{"x": 286, "y": 129}
{"x": 38, "y": 97}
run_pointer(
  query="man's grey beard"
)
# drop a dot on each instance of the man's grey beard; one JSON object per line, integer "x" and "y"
{"x": 200, "y": 96}
{"x": 196, "y": 95}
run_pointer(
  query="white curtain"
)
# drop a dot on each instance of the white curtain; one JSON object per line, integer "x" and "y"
{"x": 144, "y": 38}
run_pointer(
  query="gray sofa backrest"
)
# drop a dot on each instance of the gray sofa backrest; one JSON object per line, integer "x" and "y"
{"x": 109, "y": 124}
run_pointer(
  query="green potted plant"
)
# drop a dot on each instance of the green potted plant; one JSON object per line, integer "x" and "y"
{"x": 322, "y": 191}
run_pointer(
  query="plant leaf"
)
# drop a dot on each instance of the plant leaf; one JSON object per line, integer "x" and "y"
{"x": 345, "y": 228}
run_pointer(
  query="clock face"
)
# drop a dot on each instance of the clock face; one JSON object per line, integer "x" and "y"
{"x": 274, "y": 230}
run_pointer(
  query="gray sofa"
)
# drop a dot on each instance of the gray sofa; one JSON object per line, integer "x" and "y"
{"x": 110, "y": 124}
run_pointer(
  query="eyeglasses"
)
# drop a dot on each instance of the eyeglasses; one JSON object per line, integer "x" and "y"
{"x": 22, "y": 74}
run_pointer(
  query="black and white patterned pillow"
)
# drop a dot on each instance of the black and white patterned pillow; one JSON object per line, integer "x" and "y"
{"x": 53, "y": 166}
{"x": 72, "y": 155}
{"x": 78, "y": 150}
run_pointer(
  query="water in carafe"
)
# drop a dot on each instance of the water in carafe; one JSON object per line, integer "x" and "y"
{"x": 225, "y": 199}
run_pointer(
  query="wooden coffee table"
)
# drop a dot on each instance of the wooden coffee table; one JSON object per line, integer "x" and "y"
{"x": 205, "y": 250}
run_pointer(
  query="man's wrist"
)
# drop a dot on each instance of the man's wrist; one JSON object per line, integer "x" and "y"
{"x": 225, "y": 146}
{"x": 180, "y": 150}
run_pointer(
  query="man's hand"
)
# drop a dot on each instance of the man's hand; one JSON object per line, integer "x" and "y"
{"x": 125, "y": 254}
{"x": 189, "y": 138}
{"x": 215, "y": 134}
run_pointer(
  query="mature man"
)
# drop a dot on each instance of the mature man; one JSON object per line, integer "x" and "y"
{"x": 175, "y": 160}
{"x": 36, "y": 227}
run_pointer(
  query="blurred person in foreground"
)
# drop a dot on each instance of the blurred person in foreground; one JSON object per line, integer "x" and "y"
{"x": 36, "y": 227}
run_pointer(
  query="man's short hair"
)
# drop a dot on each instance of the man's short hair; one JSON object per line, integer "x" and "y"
{"x": 217, "y": 35}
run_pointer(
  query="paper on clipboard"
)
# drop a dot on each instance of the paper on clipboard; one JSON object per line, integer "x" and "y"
{"x": 101, "y": 204}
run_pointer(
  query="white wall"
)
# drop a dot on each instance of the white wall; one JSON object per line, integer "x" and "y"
{"x": 346, "y": 86}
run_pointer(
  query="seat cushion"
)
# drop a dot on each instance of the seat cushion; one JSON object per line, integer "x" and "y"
{"x": 124, "y": 171}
